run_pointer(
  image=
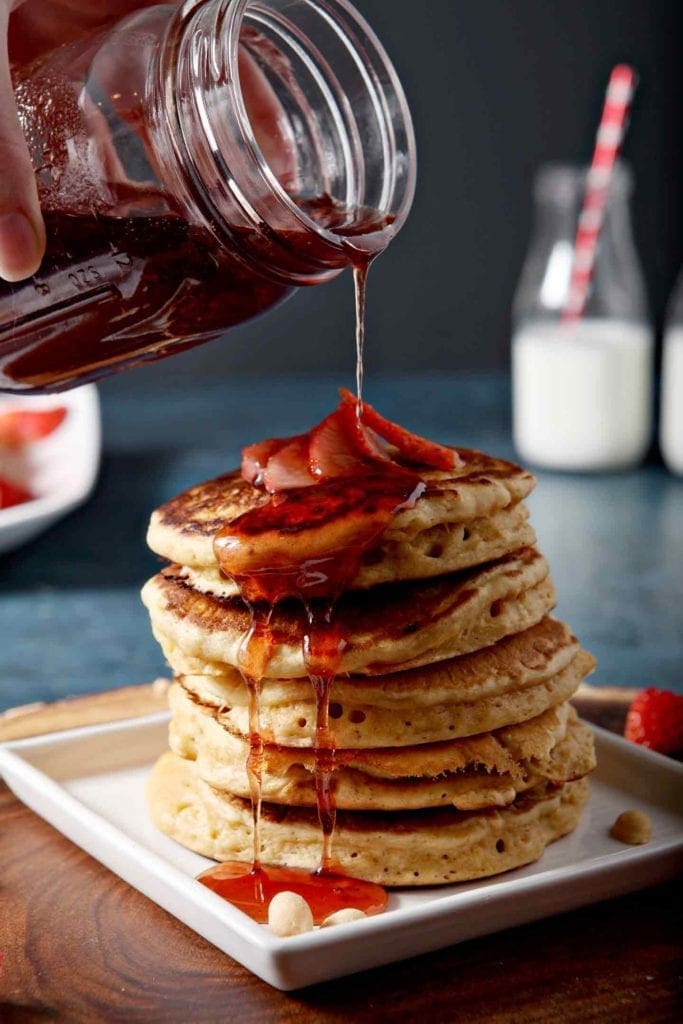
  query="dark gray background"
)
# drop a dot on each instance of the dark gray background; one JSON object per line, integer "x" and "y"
{"x": 496, "y": 87}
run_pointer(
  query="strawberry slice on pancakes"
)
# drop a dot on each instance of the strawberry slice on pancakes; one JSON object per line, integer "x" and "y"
{"x": 342, "y": 445}
{"x": 411, "y": 447}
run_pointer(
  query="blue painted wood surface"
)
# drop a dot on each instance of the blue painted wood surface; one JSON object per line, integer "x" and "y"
{"x": 70, "y": 616}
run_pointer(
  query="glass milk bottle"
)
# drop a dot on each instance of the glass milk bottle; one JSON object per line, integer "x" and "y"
{"x": 671, "y": 422}
{"x": 582, "y": 392}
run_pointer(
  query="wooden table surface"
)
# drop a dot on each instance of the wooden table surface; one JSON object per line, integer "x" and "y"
{"x": 78, "y": 945}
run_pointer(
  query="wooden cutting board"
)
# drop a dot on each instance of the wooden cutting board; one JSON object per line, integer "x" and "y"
{"x": 90, "y": 709}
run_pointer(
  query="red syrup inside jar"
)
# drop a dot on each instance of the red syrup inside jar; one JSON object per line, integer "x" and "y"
{"x": 116, "y": 289}
{"x": 122, "y": 288}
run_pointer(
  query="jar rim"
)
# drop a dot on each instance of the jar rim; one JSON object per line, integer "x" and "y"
{"x": 347, "y": 112}
{"x": 373, "y": 48}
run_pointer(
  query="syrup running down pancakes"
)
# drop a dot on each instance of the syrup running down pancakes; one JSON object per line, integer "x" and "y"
{"x": 370, "y": 685}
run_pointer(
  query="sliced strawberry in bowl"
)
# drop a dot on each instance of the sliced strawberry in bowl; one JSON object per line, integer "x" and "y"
{"x": 51, "y": 452}
{"x": 13, "y": 494}
{"x": 22, "y": 426}
{"x": 411, "y": 447}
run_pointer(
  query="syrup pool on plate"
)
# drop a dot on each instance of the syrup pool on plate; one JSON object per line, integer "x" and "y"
{"x": 252, "y": 891}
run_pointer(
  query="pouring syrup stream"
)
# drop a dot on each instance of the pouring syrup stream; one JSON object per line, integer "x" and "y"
{"x": 360, "y": 279}
{"x": 307, "y": 544}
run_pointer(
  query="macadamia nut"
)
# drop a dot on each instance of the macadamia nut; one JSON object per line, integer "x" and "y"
{"x": 343, "y": 916}
{"x": 632, "y": 827}
{"x": 289, "y": 914}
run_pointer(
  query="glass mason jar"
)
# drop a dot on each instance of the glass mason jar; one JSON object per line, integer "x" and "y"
{"x": 582, "y": 391}
{"x": 671, "y": 414}
{"x": 195, "y": 164}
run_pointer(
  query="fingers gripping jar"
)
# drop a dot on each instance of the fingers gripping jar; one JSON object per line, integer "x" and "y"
{"x": 194, "y": 166}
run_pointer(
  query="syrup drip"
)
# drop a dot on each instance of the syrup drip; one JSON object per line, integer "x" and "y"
{"x": 253, "y": 656}
{"x": 255, "y": 763}
{"x": 323, "y": 649}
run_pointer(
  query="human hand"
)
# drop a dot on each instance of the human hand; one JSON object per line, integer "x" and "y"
{"x": 22, "y": 233}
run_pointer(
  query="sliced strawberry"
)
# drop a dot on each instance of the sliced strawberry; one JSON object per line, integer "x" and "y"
{"x": 20, "y": 426}
{"x": 255, "y": 458}
{"x": 288, "y": 466}
{"x": 412, "y": 447}
{"x": 13, "y": 494}
{"x": 655, "y": 720}
{"x": 340, "y": 445}
{"x": 364, "y": 438}
{"x": 331, "y": 452}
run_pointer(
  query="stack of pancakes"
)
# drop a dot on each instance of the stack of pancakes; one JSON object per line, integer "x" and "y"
{"x": 458, "y": 755}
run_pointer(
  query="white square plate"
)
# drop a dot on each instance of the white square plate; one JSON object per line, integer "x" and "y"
{"x": 90, "y": 784}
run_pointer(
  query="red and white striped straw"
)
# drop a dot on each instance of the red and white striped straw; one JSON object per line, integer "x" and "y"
{"x": 620, "y": 89}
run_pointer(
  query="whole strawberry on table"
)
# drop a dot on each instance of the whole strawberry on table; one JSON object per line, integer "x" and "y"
{"x": 655, "y": 720}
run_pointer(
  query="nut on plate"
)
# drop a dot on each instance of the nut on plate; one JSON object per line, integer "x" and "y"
{"x": 342, "y": 916}
{"x": 289, "y": 914}
{"x": 632, "y": 827}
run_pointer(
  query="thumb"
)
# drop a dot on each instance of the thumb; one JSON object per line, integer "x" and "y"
{"x": 22, "y": 233}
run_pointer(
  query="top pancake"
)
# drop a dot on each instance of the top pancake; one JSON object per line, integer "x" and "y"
{"x": 466, "y": 516}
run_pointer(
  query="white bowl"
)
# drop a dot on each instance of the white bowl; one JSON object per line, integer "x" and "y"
{"x": 60, "y": 469}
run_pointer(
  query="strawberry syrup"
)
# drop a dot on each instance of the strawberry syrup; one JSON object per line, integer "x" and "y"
{"x": 295, "y": 521}
{"x": 333, "y": 492}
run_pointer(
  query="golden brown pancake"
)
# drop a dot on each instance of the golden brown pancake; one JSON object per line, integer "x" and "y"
{"x": 466, "y": 516}
{"x": 514, "y": 680}
{"x": 388, "y": 628}
{"x": 427, "y": 847}
{"x": 482, "y": 771}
